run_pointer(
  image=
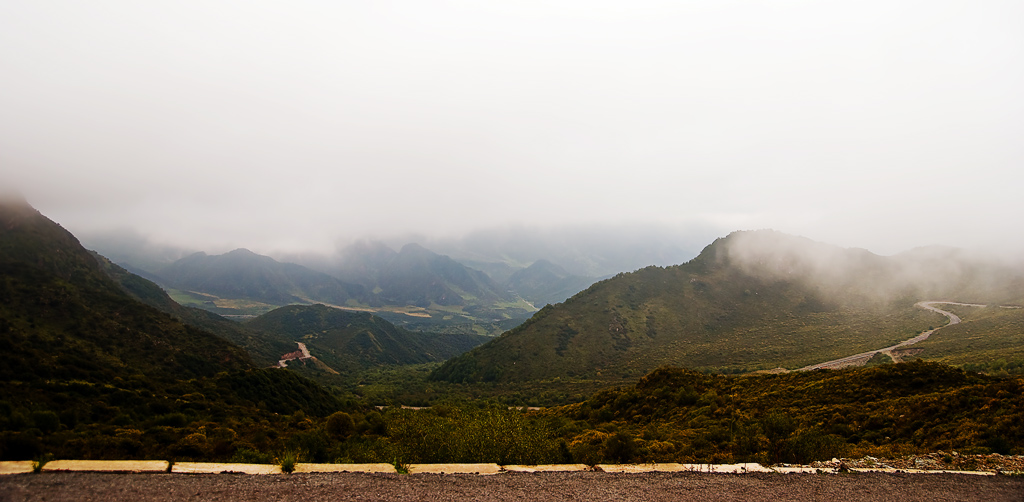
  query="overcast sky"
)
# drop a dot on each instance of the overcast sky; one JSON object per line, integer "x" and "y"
{"x": 292, "y": 124}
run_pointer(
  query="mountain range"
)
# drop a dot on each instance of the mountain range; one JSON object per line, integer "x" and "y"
{"x": 414, "y": 286}
{"x": 242, "y": 274}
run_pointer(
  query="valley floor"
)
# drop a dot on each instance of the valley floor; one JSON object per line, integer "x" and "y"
{"x": 589, "y": 486}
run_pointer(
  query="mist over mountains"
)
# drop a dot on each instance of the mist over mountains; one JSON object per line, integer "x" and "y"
{"x": 497, "y": 277}
{"x": 583, "y": 250}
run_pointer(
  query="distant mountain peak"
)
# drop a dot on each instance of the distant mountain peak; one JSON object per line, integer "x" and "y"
{"x": 413, "y": 247}
{"x": 241, "y": 252}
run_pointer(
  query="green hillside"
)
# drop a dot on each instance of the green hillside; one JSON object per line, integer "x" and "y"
{"x": 750, "y": 301}
{"x": 351, "y": 341}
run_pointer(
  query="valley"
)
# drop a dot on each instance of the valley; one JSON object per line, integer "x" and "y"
{"x": 662, "y": 364}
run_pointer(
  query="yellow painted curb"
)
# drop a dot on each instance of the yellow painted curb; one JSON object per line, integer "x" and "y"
{"x": 215, "y": 468}
{"x": 106, "y": 465}
{"x": 372, "y": 468}
{"x": 454, "y": 469}
{"x": 548, "y": 468}
{"x": 671, "y": 467}
{"x": 634, "y": 468}
{"x": 802, "y": 470}
{"x": 727, "y": 468}
{"x": 15, "y": 467}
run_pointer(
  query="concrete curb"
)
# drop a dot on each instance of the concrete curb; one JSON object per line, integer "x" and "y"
{"x": 368, "y": 468}
{"x": 454, "y": 469}
{"x": 16, "y": 467}
{"x": 155, "y": 466}
{"x": 215, "y": 468}
{"x": 638, "y": 468}
{"x": 106, "y": 465}
{"x": 671, "y": 467}
{"x": 548, "y": 468}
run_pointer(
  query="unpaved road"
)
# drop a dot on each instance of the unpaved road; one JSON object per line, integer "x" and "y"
{"x": 864, "y": 357}
{"x": 581, "y": 486}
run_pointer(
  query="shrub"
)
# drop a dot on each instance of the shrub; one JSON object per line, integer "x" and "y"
{"x": 340, "y": 425}
{"x": 46, "y": 421}
{"x": 621, "y": 447}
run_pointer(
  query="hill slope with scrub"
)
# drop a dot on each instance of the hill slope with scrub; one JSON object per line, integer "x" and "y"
{"x": 678, "y": 415}
{"x": 750, "y": 301}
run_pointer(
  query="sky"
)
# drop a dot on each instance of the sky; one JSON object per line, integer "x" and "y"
{"x": 287, "y": 126}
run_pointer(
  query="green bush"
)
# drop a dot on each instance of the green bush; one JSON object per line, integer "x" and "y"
{"x": 46, "y": 421}
{"x": 340, "y": 425}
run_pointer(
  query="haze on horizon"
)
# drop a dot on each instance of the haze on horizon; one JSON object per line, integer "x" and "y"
{"x": 291, "y": 126}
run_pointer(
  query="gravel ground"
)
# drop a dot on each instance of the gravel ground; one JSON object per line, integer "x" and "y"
{"x": 588, "y": 486}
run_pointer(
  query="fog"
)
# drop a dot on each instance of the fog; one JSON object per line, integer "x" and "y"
{"x": 935, "y": 273}
{"x": 305, "y": 125}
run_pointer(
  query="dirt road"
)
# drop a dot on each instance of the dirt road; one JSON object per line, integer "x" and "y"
{"x": 582, "y": 486}
{"x": 864, "y": 357}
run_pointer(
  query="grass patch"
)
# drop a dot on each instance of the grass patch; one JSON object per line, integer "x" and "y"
{"x": 288, "y": 461}
{"x": 40, "y": 462}
{"x": 400, "y": 467}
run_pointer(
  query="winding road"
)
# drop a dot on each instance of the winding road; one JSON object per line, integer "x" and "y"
{"x": 862, "y": 358}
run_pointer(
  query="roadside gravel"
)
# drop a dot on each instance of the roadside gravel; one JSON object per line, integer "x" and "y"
{"x": 588, "y": 486}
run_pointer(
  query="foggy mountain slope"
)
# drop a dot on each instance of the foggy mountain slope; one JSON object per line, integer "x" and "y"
{"x": 419, "y": 276}
{"x": 352, "y": 341}
{"x": 264, "y": 349}
{"x": 247, "y": 275}
{"x": 752, "y": 300}
{"x": 586, "y": 250}
{"x": 64, "y": 317}
{"x": 133, "y": 251}
{"x": 544, "y": 282}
